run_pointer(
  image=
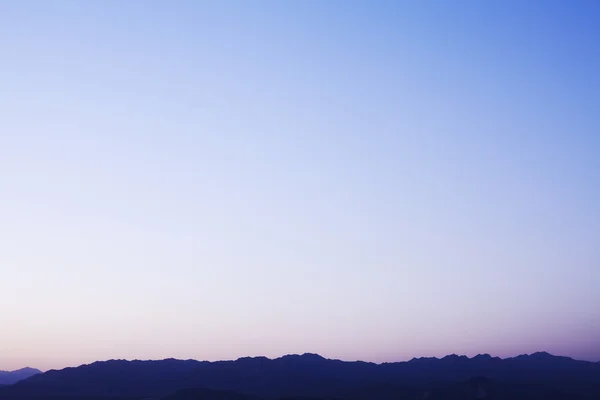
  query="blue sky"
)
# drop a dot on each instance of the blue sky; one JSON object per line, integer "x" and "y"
{"x": 364, "y": 180}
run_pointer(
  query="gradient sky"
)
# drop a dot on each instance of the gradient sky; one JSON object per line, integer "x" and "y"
{"x": 361, "y": 179}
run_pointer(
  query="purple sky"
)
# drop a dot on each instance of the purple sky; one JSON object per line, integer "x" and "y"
{"x": 364, "y": 180}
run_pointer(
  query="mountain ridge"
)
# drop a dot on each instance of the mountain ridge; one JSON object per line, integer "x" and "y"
{"x": 306, "y": 375}
{"x": 537, "y": 355}
{"x": 11, "y": 377}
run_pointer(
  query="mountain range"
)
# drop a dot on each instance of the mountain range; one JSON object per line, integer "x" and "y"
{"x": 10, "y": 377}
{"x": 535, "y": 376}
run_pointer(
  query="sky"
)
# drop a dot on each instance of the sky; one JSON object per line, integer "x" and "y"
{"x": 365, "y": 180}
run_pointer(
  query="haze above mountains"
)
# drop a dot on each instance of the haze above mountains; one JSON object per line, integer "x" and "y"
{"x": 536, "y": 376}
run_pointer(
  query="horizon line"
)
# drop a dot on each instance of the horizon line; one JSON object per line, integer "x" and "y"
{"x": 304, "y": 355}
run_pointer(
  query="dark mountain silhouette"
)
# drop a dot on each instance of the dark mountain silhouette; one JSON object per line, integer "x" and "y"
{"x": 487, "y": 389}
{"x": 536, "y": 376}
{"x": 207, "y": 394}
{"x": 10, "y": 377}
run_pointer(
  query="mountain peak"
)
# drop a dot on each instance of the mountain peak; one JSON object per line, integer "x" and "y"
{"x": 10, "y": 377}
{"x": 259, "y": 358}
{"x": 455, "y": 357}
{"x": 542, "y": 354}
{"x": 417, "y": 359}
{"x": 304, "y": 356}
{"x": 26, "y": 369}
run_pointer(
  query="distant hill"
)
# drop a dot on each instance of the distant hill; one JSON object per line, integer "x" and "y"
{"x": 10, "y": 377}
{"x": 539, "y": 376}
